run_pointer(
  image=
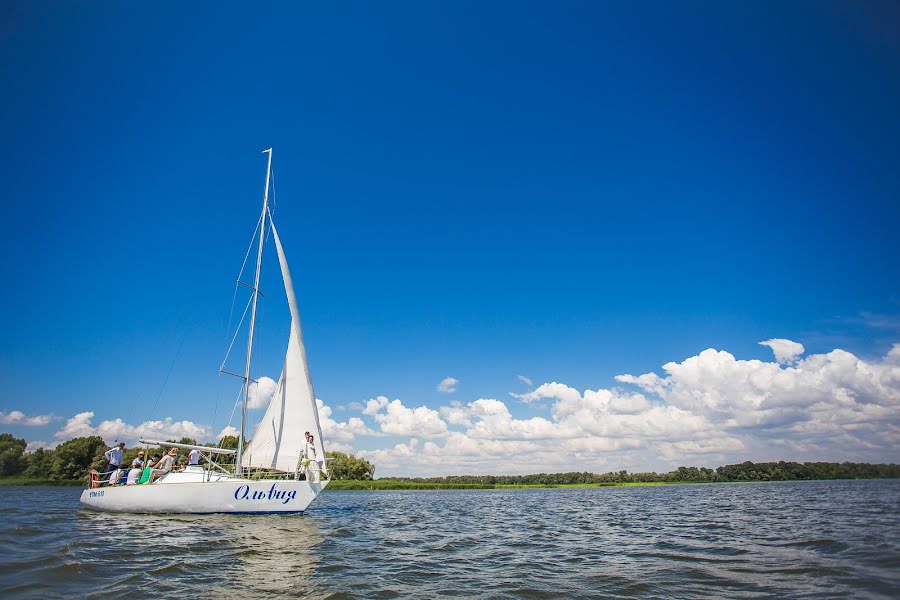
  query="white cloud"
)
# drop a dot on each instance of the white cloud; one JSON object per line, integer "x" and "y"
{"x": 16, "y": 417}
{"x": 394, "y": 418}
{"x": 32, "y": 446}
{"x": 708, "y": 409}
{"x": 456, "y": 414}
{"x": 526, "y": 380}
{"x": 260, "y": 393}
{"x": 228, "y": 430}
{"x": 336, "y": 433}
{"x": 81, "y": 425}
{"x": 836, "y": 398}
{"x": 447, "y": 385}
{"x": 786, "y": 351}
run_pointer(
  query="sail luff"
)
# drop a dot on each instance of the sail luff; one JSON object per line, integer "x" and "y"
{"x": 297, "y": 330}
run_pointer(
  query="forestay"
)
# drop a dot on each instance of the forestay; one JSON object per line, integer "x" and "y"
{"x": 278, "y": 440}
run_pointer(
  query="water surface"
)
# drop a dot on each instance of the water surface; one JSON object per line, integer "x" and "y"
{"x": 767, "y": 540}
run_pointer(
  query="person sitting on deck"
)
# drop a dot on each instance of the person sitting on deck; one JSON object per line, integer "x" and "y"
{"x": 164, "y": 465}
{"x": 133, "y": 475}
{"x": 145, "y": 474}
{"x": 116, "y": 475}
{"x": 139, "y": 461}
{"x": 194, "y": 457}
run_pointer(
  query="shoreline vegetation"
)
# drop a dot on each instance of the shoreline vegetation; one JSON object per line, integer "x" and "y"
{"x": 374, "y": 485}
{"x": 68, "y": 464}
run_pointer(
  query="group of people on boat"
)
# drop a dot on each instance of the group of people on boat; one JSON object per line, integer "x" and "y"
{"x": 118, "y": 473}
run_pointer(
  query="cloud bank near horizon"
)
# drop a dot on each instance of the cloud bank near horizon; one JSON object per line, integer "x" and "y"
{"x": 708, "y": 409}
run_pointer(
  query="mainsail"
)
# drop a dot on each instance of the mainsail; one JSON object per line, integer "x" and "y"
{"x": 279, "y": 440}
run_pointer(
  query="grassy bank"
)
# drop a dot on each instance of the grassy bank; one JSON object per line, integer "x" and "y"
{"x": 389, "y": 484}
{"x": 30, "y": 481}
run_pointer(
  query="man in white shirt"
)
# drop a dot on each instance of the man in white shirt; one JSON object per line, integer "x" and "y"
{"x": 316, "y": 464}
{"x": 194, "y": 457}
{"x": 113, "y": 458}
{"x": 133, "y": 475}
{"x": 138, "y": 463}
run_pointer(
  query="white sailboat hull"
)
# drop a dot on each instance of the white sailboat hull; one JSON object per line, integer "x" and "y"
{"x": 224, "y": 496}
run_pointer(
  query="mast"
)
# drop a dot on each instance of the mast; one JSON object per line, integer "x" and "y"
{"x": 262, "y": 238}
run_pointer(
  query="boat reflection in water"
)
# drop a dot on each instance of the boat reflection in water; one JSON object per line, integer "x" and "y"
{"x": 269, "y": 553}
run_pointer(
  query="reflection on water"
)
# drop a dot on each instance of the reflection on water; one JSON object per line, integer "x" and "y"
{"x": 822, "y": 539}
{"x": 266, "y": 553}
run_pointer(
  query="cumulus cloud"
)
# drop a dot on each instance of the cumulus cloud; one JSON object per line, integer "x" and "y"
{"x": 455, "y": 414}
{"x": 336, "y": 432}
{"x": 393, "y": 418}
{"x": 834, "y": 400}
{"x": 708, "y": 409}
{"x": 260, "y": 393}
{"x": 786, "y": 351}
{"x": 16, "y": 417}
{"x": 228, "y": 430}
{"x": 82, "y": 425}
{"x": 447, "y": 385}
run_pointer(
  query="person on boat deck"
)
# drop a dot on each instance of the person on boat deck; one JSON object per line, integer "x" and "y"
{"x": 164, "y": 465}
{"x": 114, "y": 458}
{"x": 311, "y": 454}
{"x": 133, "y": 475}
{"x": 194, "y": 457}
{"x": 116, "y": 475}
{"x": 145, "y": 474}
{"x": 138, "y": 463}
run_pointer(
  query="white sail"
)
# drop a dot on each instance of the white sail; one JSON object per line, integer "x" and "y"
{"x": 279, "y": 437}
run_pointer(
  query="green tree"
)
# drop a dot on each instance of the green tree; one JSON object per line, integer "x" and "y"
{"x": 11, "y": 450}
{"x": 73, "y": 459}
{"x": 346, "y": 466}
{"x": 229, "y": 441}
{"x": 39, "y": 464}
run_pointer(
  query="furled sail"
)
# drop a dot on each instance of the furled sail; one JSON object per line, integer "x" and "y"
{"x": 279, "y": 439}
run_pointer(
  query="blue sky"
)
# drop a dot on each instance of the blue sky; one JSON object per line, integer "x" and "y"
{"x": 567, "y": 192}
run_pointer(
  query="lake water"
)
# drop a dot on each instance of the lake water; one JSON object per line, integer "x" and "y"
{"x": 799, "y": 539}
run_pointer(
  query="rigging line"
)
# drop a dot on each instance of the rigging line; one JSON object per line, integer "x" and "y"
{"x": 234, "y": 406}
{"x": 237, "y": 330}
{"x": 274, "y": 201}
{"x": 216, "y": 405}
{"x": 166, "y": 380}
{"x": 231, "y": 317}
{"x": 240, "y": 274}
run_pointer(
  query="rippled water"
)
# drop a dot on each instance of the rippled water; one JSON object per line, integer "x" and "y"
{"x": 803, "y": 539}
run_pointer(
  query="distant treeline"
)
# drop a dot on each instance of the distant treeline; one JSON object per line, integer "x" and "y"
{"x": 69, "y": 460}
{"x": 74, "y": 458}
{"x": 746, "y": 471}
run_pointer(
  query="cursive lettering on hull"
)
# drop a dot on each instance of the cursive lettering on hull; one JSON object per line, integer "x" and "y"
{"x": 243, "y": 492}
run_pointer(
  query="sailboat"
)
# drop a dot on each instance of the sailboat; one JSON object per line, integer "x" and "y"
{"x": 272, "y": 472}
